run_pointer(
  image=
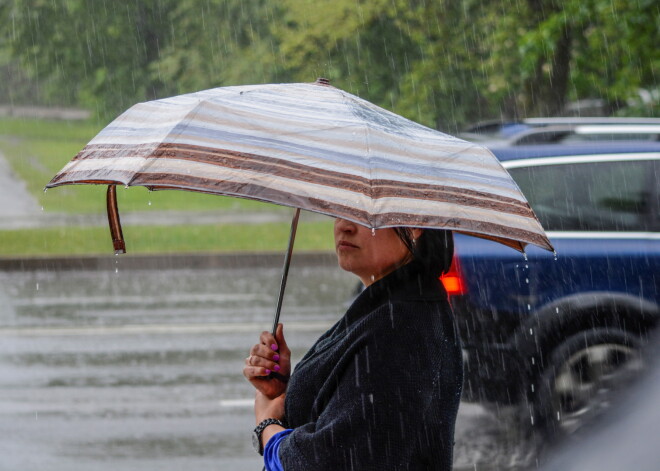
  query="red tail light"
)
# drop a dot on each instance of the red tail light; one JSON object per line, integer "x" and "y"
{"x": 453, "y": 279}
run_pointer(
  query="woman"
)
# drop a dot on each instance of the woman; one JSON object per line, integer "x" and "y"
{"x": 380, "y": 389}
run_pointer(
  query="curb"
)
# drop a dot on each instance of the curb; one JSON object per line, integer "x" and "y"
{"x": 166, "y": 261}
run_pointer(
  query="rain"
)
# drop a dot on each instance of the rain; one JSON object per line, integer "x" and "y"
{"x": 135, "y": 361}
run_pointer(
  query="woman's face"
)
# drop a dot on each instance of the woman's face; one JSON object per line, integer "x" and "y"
{"x": 369, "y": 254}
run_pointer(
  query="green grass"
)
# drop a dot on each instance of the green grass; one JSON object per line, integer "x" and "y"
{"x": 161, "y": 239}
{"x": 37, "y": 149}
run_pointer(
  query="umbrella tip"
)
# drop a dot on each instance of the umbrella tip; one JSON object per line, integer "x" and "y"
{"x": 322, "y": 81}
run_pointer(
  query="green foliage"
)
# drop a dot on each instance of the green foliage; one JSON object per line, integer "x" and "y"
{"x": 440, "y": 62}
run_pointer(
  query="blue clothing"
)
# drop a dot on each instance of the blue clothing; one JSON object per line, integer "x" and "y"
{"x": 271, "y": 460}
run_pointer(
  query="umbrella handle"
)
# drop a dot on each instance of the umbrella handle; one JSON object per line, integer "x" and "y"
{"x": 113, "y": 220}
{"x": 285, "y": 269}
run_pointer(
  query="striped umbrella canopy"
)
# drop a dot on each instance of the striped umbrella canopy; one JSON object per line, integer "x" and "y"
{"x": 309, "y": 146}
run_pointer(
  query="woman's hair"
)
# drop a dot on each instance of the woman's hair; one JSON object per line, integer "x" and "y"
{"x": 434, "y": 249}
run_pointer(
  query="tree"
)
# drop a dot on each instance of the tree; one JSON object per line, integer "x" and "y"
{"x": 443, "y": 63}
{"x": 550, "y": 51}
{"x": 96, "y": 53}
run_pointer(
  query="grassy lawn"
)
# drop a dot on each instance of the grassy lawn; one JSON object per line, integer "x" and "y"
{"x": 37, "y": 149}
{"x": 160, "y": 239}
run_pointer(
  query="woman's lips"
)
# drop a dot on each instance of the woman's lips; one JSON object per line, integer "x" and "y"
{"x": 346, "y": 245}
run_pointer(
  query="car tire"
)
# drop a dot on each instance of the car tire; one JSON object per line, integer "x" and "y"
{"x": 581, "y": 375}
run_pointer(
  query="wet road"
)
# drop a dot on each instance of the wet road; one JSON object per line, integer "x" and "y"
{"x": 105, "y": 370}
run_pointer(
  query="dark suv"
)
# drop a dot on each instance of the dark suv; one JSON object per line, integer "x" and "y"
{"x": 555, "y": 332}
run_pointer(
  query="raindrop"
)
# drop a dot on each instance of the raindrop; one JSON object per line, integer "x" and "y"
{"x": 527, "y": 280}
{"x": 533, "y": 361}
{"x": 532, "y": 419}
{"x": 37, "y": 287}
{"x": 45, "y": 190}
{"x": 42, "y": 208}
{"x": 532, "y": 388}
{"x": 558, "y": 418}
{"x": 555, "y": 254}
{"x": 373, "y": 278}
{"x": 373, "y": 231}
{"x": 149, "y": 203}
{"x": 525, "y": 255}
{"x": 529, "y": 307}
{"x": 557, "y": 310}
{"x": 531, "y": 331}
{"x": 526, "y": 266}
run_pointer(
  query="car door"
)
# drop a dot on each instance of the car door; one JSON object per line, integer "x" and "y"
{"x": 601, "y": 214}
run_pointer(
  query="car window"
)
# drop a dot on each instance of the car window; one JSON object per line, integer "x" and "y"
{"x": 598, "y": 196}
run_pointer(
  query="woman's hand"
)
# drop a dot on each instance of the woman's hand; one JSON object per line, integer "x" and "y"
{"x": 270, "y": 355}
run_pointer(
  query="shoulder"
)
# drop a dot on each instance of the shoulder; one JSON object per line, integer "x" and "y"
{"x": 401, "y": 325}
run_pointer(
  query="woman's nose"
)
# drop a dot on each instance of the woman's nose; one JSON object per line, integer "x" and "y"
{"x": 342, "y": 225}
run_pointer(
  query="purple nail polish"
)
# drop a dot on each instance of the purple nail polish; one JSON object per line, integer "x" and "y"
{"x": 273, "y": 347}
{"x": 267, "y": 371}
{"x": 276, "y": 357}
{"x": 276, "y": 367}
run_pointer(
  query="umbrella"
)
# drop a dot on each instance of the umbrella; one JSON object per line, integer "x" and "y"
{"x": 308, "y": 146}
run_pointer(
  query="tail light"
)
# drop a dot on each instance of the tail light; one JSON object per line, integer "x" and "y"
{"x": 453, "y": 279}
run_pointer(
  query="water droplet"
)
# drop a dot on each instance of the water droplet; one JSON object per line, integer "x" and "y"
{"x": 555, "y": 254}
{"x": 525, "y": 255}
{"x": 526, "y": 266}
{"x": 531, "y": 331}
{"x": 42, "y": 208}
{"x": 557, "y": 310}
{"x": 532, "y": 418}
{"x": 37, "y": 286}
{"x": 527, "y": 280}
{"x": 558, "y": 418}
{"x": 149, "y": 203}
{"x": 45, "y": 190}
{"x": 529, "y": 307}
{"x": 533, "y": 361}
{"x": 373, "y": 278}
{"x": 373, "y": 231}
{"x": 116, "y": 270}
{"x": 532, "y": 388}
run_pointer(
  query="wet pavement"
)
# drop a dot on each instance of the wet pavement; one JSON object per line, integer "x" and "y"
{"x": 141, "y": 369}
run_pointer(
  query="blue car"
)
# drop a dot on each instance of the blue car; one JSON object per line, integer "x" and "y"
{"x": 555, "y": 333}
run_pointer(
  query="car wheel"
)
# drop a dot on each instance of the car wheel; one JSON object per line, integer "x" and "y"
{"x": 582, "y": 373}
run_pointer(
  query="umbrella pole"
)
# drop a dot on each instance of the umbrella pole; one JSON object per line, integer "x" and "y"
{"x": 285, "y": 269}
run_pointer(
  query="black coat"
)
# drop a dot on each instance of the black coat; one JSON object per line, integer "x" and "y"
{"x": 381, "y": 388}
